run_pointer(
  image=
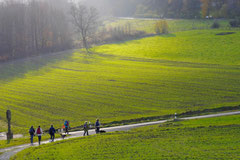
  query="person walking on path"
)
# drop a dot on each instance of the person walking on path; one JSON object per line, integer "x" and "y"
{"x": 85, "y": 128}
{"x": 97, "y": 126}
{"x": 66, "y": 124}
{"x": 31, "y": 132}
{"x": 52, "y": 132}
{"x": 39, "y": 132}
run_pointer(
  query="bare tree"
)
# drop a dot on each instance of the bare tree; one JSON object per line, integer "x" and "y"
{"x": 85, "y": 19}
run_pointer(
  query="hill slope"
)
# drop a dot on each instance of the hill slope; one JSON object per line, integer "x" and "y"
{"x": 122, "y": 81}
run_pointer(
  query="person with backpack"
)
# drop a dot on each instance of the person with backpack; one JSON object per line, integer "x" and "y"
{"x": 31, "y": 132}
{"x": 97, "y": 126}
{"x": 66, "y": 124}
{"x": 52, "y": 132}
{"x": 85, "y": 128}
{"x": 39, "y": 132}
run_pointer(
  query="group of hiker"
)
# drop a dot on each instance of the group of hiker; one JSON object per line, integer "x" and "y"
{"x": 87, "y": 125}
{"x": 39, "y": 133}
{"x": 34, "y": 132}
{"x": 65, "y": 127}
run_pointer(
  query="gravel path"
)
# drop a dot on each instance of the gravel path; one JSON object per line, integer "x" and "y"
{"x": 8, "y": 152}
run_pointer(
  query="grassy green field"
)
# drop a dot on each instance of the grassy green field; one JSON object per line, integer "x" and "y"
{"x": 175, "y": 25}
{"x": 191, "y": 70}
{"x": 198, "y": 46}
{"x": 213, "y": 138}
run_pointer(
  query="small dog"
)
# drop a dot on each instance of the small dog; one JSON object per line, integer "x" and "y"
{"x": 102, "y": 131}
{"x": 63, "y": 135}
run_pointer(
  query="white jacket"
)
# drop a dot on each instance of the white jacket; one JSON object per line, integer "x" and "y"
{"x": 40, "y": 131}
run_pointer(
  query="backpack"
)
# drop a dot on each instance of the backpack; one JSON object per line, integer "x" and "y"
{"x": 38, "y": 131}
{"x": 66, "y": 124}
{"x": 97, "y": 124}
{"x": 31, "y": 131}
{"x": 51, "y": 131}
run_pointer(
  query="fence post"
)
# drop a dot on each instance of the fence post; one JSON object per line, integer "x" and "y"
{"x": 9, "y": 134}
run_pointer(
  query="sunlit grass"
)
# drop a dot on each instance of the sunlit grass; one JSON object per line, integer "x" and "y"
{"x": 149, "y": 77}
{"x": 200, "y": 46}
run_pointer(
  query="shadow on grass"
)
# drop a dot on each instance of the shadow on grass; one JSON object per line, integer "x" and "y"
{"x": 19, "y": 67}
{"x": 225, "y": 33}
{"x": 167, "y": 35}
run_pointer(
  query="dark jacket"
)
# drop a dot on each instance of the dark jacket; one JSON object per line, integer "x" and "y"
{"x": 31, "y": 131}
{"x": 52, "y": 131}
{"x": 97, "y": 124}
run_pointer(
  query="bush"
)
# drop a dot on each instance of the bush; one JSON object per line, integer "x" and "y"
{"x": 118, "y": 33}
{"x": 215, "y": 25}
{"x": 161, "y": 27}
{"x": 235, "y": 23}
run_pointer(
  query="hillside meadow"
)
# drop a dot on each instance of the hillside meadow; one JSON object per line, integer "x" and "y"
{"x": 212, "y": 138}
{"x": 197, "y": 46}
{"x": 161, "y": 75}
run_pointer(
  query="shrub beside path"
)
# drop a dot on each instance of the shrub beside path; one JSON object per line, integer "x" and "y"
{"x": 8, "y": 152}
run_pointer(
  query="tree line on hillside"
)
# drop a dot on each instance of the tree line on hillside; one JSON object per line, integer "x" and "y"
{"x": 170, "y": 8}
{"x": 32, "y": 27}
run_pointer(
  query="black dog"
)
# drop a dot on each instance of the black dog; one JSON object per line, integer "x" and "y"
{"x": 63, "y": 135}
{"x": 102, "y": 131}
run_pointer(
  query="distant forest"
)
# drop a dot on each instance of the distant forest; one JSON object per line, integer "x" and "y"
{"x": 169, "y": 8}
{"x": 31, "y": 27}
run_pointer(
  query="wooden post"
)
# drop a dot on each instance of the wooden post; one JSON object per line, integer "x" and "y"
{"x": 9, "y": 134}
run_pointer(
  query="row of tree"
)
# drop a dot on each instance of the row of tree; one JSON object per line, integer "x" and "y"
{"x": 169, "y": 8}
{"x": 189, "y": 8}
{"x": 221, "y": 8}
{"x": 32, "y": 27}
